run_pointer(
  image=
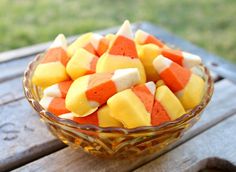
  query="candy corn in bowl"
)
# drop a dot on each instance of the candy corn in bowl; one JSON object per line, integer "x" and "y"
{"x": 117, "y": 95}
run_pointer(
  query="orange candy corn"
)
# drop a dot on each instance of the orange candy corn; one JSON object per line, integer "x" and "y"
{"x": 55, "y": 55}
{"x": 123, "y": 44}
{"x": 101, "y": 118}
{"x": 57, "y": 51}
{"x": 58, "y": 90}
{"x": 188, "y": 87}
{"x": 55, "y": 105}
{"x": 99, "y": 43}
{"x": 159, "y": 114}
{"x": 166, "y": 106}
{"x": 133, "y": 107}
{"x": 146, "y": 92}
{"x": 92, "y": 42}
{"x": 90, "y": 119}
{"x": 175, "y": 76}
{"x": 142, "y": 37}
{"x": 121, "y": 54}
{"x": 184, "y": 59}
{"x": 95, "y": 89}
{"x": 52, "y": 70}
{"x": 81, "y": 63}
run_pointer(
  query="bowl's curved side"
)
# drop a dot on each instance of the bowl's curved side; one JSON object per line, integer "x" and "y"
{"x": 111, "y": 141}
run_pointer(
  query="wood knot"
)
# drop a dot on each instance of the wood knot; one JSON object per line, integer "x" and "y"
{"x": 8, "y": 131}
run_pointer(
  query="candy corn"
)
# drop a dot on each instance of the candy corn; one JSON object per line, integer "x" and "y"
{"x": 92, "y": 42}
{"x": 192, "y": 94}
{"x": 52, "y": 70}
{"x": 105, "y": 119}
{"x": 187, "y": 86}
{"x": 142, "y": 37}
{"x": 79, "y": 43}
{"x": 101, "y": 80}
{"x": 81, "y": 63}
{"x": 54, "y": 105}
{"x": 183, "y": 58}
{"x": 110, "y": 38}
{"x": 101, "y": 118}
{"x": 121, "y": 54}
{"x": 166, "y": 106}
{"x": 89, "y": 92}
{"x": 90, "y": 119}
{"x": 133, "y": 107}
{"x": 147, "y": 53}
{"x": 57, "y": 90}
{"x": 99, "y": 43}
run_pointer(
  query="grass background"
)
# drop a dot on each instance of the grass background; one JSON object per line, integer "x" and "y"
{"x": 210, "y": 24}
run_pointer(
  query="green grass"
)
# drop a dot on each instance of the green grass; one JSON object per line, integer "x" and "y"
{"x": 209, "y": 24}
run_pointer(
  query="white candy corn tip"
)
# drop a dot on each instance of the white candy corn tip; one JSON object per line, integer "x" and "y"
{"x": 60, "y": 41}
{"x": 125, "y": 78}
{"x": 67, "y": 116}
{"x": 160, "y": 63}
{"x": 141, "y": 36}
{"x": 151, "y": 86}
{"x": 95, "y": 40}
{"x": 52, "y": 91}
{"x": 191, "y": 60}
{"x": 45, "y": 102}
{"x": 125, "y": 30}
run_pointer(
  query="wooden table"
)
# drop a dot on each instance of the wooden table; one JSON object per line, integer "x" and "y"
{"x": 27, "y": 145}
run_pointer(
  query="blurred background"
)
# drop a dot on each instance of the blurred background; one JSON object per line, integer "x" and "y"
{"x": 210, "y": 24}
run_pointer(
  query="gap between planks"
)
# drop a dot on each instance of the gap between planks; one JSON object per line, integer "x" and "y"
{"x": 212, "y": 148}
{"x": 79, "y": 160}
{"x": 23, "y": 136}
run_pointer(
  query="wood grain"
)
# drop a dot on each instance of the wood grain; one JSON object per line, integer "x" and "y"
{"x": 13, "y": 69}
{"x": 71, "y": 160}
{"x": 23, "y": 136}
{"x": 11, "y": 90}
{"x": 212, "y": 148}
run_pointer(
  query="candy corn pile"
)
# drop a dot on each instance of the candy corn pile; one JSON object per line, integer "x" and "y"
{"x": 118, "y": 80}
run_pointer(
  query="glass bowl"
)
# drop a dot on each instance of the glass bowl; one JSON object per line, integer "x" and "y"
{"x": 115, "y": 142}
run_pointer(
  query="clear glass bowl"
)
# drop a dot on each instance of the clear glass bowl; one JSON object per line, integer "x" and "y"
{"x": 115, "y": 142}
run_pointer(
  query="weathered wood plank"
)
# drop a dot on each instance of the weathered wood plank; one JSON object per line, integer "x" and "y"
{"x": 211, "y": 148}
{"x": 68, "y": 159}
{"x": 215, "y": 76}
{"x": 23, "y": 136}
{"x": 13, "y": 69}
{"x": 215, "y": 63}
{"x": 11, "y": 90}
